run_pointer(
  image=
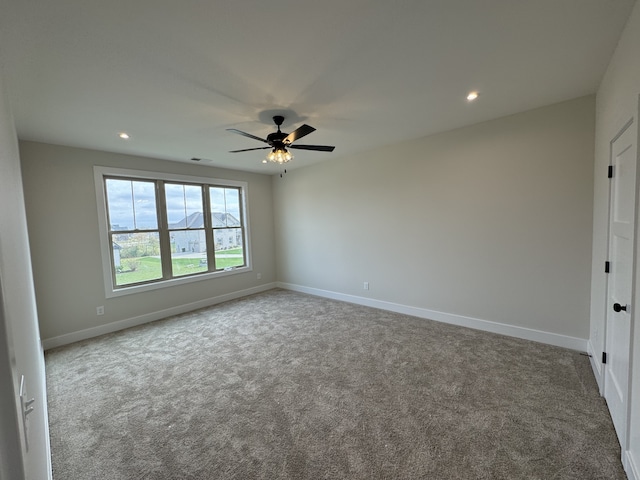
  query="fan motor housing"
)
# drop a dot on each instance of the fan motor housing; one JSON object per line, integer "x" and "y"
{"x": 276, "y": 137}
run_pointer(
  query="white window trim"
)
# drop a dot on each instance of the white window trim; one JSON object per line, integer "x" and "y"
{"x": 100, "y": 172}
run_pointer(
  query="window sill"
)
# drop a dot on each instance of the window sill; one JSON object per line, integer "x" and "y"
{"x": 113, "y": 293}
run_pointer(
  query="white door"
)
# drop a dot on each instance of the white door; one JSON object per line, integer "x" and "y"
{"x": 621, "y": 254}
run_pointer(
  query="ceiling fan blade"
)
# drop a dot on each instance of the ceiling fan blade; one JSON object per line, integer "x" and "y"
{"x": 321, "y": 148}
{"x": 248, "y": 149}
{"x": 240, "y": 132}
{"x": 298, "y": 133}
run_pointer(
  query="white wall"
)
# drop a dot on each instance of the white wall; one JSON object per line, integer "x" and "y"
{"x": 65, "y": 243}
{"x": 616, "y": 103}
{"x": 490, "y": 222}
{"x": 20, "y": 348}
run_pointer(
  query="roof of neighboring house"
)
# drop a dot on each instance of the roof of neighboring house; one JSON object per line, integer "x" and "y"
{"x": 196, "y": 220}
{"x": 224, "y": 220}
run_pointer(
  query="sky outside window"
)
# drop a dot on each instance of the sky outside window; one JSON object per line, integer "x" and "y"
{"x": 132, "y": 204}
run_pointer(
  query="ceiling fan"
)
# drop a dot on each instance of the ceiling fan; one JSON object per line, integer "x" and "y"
{"x": 280, "y": 141}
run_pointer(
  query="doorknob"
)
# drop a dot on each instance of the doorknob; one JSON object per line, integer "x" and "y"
{"x": 617, "y": 307}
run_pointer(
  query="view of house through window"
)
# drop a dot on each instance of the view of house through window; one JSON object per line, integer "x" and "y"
{"x": 185, "y": 214}
{"x": 226, "y": 224}
{"x": 160, "y": 229}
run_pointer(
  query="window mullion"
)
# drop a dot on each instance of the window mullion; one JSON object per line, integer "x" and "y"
{"x": 208, "y": 230}
{"x": 165, "y": 240}
{"x": 242, "y": 227}
{"x": 113, "y": 262}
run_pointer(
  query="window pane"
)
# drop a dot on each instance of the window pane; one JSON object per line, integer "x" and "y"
{"x": 225, "y": 206}
{"x": 216, "y": 194}
{"x": 229, "y": 248}
{"x": 136, "y": 257}
{"x": 144, "y": 195}
{"x": 131, "y": 205}
{"x": 232, "y": 196}
{"x": 184, "y": 206}
{"x": 188, "y": 252}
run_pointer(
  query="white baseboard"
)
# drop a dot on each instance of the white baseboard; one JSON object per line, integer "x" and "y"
{"x": 478, "y": 324}
{"x": 554, "y": 339}
{"x": 66, "y": 339}
{"x": 596, "y": 366}
{"x": 630, "y": 466}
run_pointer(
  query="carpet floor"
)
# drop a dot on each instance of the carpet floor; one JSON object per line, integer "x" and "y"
{"x": 283, "y": 385}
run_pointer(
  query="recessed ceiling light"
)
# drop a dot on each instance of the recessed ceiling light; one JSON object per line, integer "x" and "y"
{"x": 124, "y": 136}
{"x": 472, "y": 96}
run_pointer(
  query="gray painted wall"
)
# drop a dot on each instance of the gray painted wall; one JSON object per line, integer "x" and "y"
{"x": 491, "y": 221}
{"x": 617, "y": 102}
{"x": 65, "y": 246}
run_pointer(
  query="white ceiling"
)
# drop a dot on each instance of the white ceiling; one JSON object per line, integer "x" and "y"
{"x": 176, "y": 74}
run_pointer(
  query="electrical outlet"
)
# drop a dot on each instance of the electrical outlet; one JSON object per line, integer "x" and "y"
{"x": 366, "y": 285}
{"x": 100, "y": 310}
{"x": 259, "y": 276}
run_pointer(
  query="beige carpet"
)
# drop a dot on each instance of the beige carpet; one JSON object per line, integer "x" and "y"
{"x": 283, "y": 385}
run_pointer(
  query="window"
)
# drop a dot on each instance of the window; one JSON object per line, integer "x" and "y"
{"x": 227, "y": 226}
{"x": 159, "y": 230}
{"x": 185, "y": 217}
{"x": 133, "y": 232}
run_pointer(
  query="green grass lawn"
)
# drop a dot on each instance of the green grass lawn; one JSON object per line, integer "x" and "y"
{"x": 149, "y": 268}
{"x": 231, "y": 251}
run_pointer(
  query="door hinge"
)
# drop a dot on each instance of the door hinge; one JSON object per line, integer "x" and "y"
{"x": 606, "y": 267}
{"x": 604, "y": 357}
{"x": 610, "y": 171}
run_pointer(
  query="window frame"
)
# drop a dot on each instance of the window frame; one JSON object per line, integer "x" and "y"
{"x": 108, "y": 265}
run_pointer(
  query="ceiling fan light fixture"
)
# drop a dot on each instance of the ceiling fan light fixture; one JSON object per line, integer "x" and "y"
{"x": 279, "y": 141}
{"x": 279, "y": 155}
